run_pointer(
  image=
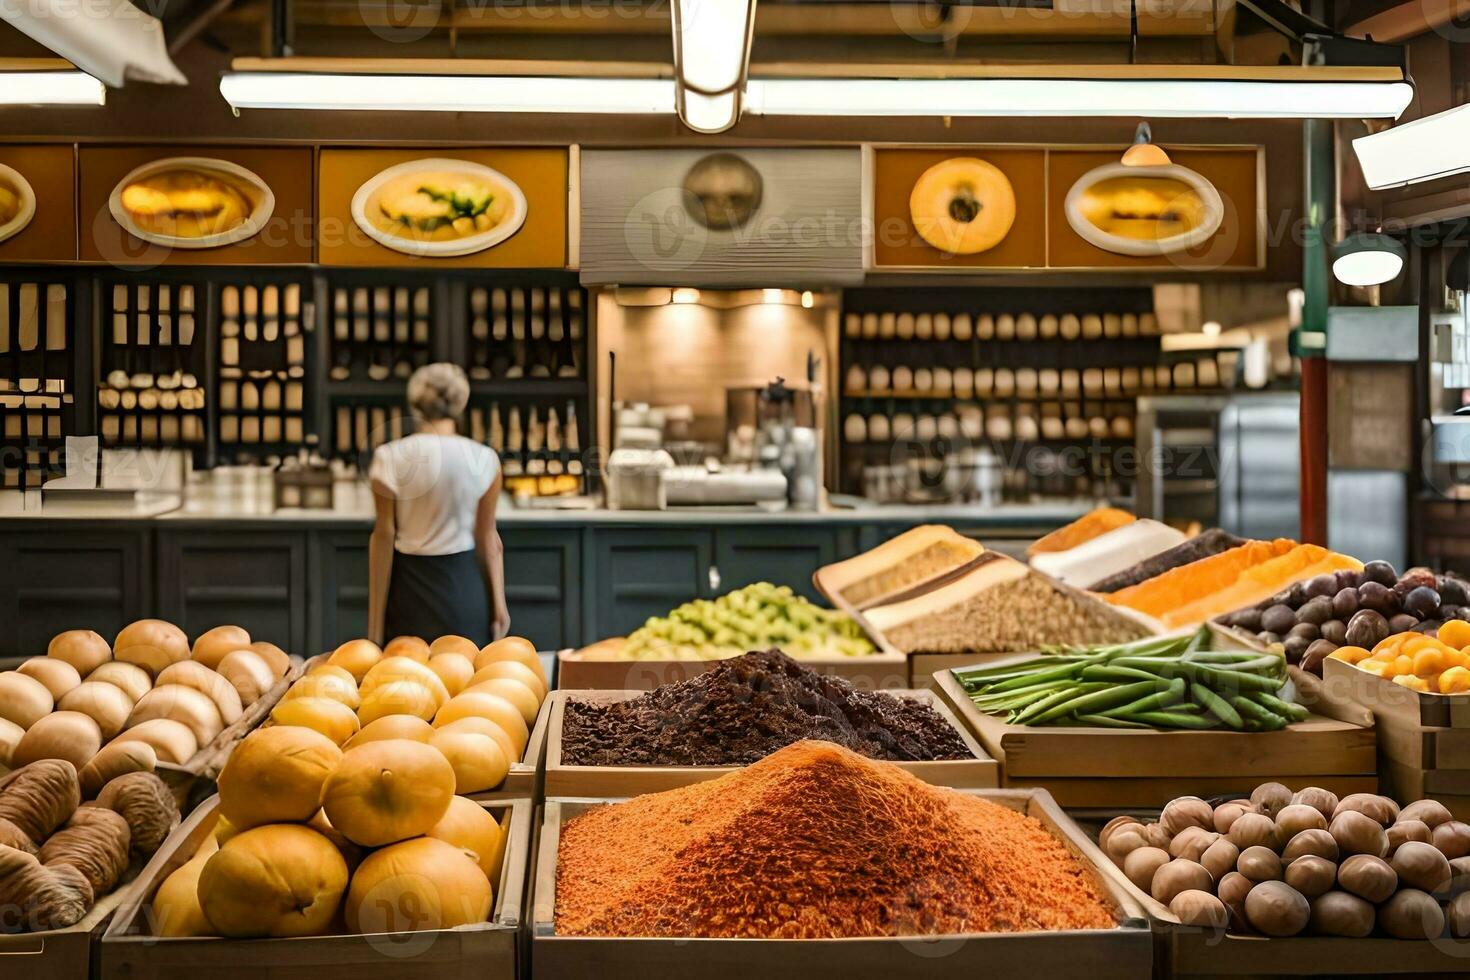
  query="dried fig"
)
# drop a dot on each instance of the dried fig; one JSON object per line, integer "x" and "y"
{"x": 40, "y": 797}
{"x": 148, "y": 807}
{"x": 47, "y": 898}
{"x": 95, "y": 842}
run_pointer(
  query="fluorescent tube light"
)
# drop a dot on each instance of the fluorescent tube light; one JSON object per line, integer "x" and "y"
{"x": 712, "y": 41}
{"x": 1155, "y": 97}
{"x": 51, "y": 88}
{"x": 1435, "y": 146}
{"x": 447, "y": 93}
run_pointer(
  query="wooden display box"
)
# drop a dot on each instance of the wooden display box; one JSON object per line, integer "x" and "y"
{"x": 486, "y": 951}
{"x": 1189, "y": 951}
{"x": 1124, "y": 769}
{"x": 1124, "y": 952}
{"x": 61, "y": 954}
{"x": 524, "y": 779}
{"x": 979, "y": 772}
{"x": 1388, "y": 700}
{"x": 576, "y": 671}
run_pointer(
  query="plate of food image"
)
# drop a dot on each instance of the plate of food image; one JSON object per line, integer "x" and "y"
{"x": 439, "y": 207}
{"x": 192, "y": 202}
{"x": 17, "y": 202}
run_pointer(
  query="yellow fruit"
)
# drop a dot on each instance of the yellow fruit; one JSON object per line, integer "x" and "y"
{"x": 398, "y": 698}
{"x": 484, "y": 726}
{"x": 391, "y": 669}
{"x": 1456, "y": 680}
{"x": 963, "y": 206}
{"x": 418, "y": 884}
{"x": 387, "y": 791}
{"x": 1349, "y": 655}
{"x": 356, "y": 657}
{"x": 276, "y": 880}
{"x": 453, "y": 669}
{"x": 454, "y": 644}
{"x": 392, "y": 726}
{"x": 470, "y": 827}
{"x": 332, "y": 718}
{"x": 514, "y": 649}
{"x": 350, "y": 852}
{"x": 336, "y": 686}
{"x": 493, "y": 707}
{"x": 1412, "y": 683}
{"x": 175, "y": 910}
{"x": 512, "y": 670}
{"x": 276, "y": 775}
{"x": 1455, "y": 633}
{"x": 518, "y": 693}
{"x": 479, "y": 764}
{"x": 215, "y": 645}
{"x": 412, "y": 647}
{"x": 223, "y": 831}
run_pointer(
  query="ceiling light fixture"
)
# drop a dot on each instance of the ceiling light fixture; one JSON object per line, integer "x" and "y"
{"x": 1427, "y": 148}
{"x": 712, "y": 40}
{"x": 1209, "y": 91}
{"x": 1368, "y": 259}
{"x": 274, "y": 88}
{"x": 50, "y": 87}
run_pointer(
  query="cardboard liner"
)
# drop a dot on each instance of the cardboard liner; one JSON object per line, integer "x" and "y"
{"x": 590, "y": 669}
{"x": 1123, "y": 952}
{"x": 486, "y": 951}
{"x": 1124, "y": 768}
{"x": 978, "y": 772}
{"x": 1188, "y": 951}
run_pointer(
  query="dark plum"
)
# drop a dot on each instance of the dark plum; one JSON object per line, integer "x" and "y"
{"x": 1452, "y": 591}
{"x": 1381, "y": 572}
{"x": 1316, "y": 653}
{"x": 1349, "y": 579}
{"x": 1335, "y": 630}
{"x": 1295, "y": 647}
{"x": 1246, "y": 619}
{"x": 1321, "y": 585}
{"x": 1377, "y": 597}
{"x": 1367, "y": 629}
{"x": 1448, "y": 612}
{"x": 1413, "y": 579}
{"x": 1422, "y": 602}
{"x": 1317, "y": 610}
{"x": 1345, "y": 603}
{"x": 1402, "y": 623}
{"x": 1278, "y": 619}
{"x": 1430, "y": 627}
{"x": 1307, "y": 631}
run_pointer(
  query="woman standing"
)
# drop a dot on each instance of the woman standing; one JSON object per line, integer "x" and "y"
{"x": 435, "y": 560}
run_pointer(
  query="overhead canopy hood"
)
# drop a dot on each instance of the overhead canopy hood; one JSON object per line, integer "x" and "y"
{"x": 114, "y": 42}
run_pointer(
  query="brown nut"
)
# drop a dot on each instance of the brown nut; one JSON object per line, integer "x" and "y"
{"x": 1412, "y": 914}
{"x": 1311, "y": 875}
{"x": 1259, "y": 864}
{"x": 1357, "y": 833}
{"x": 1338, "y": 913}
{"x": 1274, "y": 908}
{"x": 1422, "y": 866}
{"x": 1368, "y": 877}
{"x": 1380, "y": 808}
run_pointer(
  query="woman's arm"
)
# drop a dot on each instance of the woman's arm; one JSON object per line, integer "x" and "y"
{"x": 380, "y": 562}
{"x": 491, "y": 553}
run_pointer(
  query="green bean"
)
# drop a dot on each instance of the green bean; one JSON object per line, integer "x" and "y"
{"x": 1055, "y": 673}
{"x": 1198, "y": 641}
{"x": 1214, "y": 677}
{"x": 1287, "y": 709}
{"x": 1216, "y": 705}
{"x": 1175, "y": 719}
{"x": 1110, "y": 695}
{"x": 1108, "y": 672}
{"x": 1268, "y": 719}
{"x": 1153, "y": 702}
{"x": 1108, "y": 721}
{"x": 1056, "y": 697}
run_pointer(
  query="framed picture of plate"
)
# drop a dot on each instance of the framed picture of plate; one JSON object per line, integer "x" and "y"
{"x": 191, "y": 202}
{"x": 438, "y": 206}
{"x": 17, "y": 202}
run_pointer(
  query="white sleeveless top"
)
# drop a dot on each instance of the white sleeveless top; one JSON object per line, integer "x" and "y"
{"x": 437, "y": 482}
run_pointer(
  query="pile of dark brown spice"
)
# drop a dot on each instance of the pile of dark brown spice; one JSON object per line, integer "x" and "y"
{"x": 745, "y": 709}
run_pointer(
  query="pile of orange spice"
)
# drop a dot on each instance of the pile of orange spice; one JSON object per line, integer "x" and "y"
{"x": 815, "y": 841}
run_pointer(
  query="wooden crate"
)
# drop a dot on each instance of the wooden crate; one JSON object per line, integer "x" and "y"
{"x": 587, "y": 670}
{"x": 211, "y": 758}
{"x": 1190, "y": 951}
{"x": 1124, "y": 769}
{"x": 486, "y": 951}
{"x": 1123, "y": 952}
{"x": 61, "y": 954}
{"x": 978, "y": 772}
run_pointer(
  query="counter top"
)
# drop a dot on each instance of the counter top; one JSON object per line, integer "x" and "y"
{"x": 353, "y": 507}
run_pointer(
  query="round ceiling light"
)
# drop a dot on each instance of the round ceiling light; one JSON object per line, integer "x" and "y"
{"x": 1367, "y": 259}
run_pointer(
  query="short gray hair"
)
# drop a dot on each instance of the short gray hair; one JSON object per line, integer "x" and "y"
{"x": 438, "y": 391}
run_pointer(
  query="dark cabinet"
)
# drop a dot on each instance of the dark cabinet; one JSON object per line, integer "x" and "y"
{"x": 52, "y": 581}
{"x": 783, "y": 555}
{"x": 543, "y": 584}
{"x": 256, "y": 579}
{"x": 643, "y": 572}
{"x": 339, "y": 572}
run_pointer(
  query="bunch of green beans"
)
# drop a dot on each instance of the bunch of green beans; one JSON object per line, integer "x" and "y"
{"x": 1162, "y": 682}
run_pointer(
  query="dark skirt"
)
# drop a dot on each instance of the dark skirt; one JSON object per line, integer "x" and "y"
{"x": 431, "y": 596}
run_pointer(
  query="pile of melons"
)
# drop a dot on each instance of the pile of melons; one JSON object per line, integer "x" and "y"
{"x": 311, "y": 840}
{"x": 475, "y": 706}
{"x": 147, "y": 697}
